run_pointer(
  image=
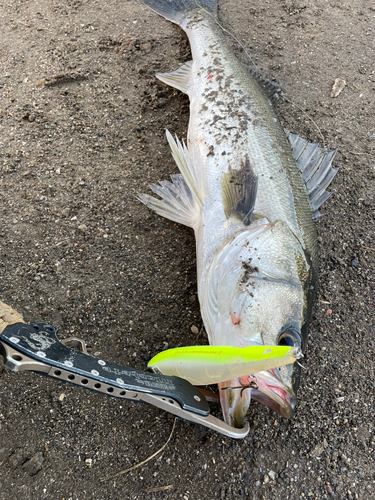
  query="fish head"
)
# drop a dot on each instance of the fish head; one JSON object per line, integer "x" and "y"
{"x": 263, "y": 297}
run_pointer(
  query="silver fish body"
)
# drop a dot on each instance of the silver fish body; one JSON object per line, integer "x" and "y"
{"x": 251, "y": 207}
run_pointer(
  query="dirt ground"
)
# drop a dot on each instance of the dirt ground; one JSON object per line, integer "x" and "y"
{"x": 82, "y": 131}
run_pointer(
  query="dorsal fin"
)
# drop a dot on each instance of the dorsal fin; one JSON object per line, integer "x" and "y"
{"x": 271, "y": 88}
{"x": 315, "y": 165}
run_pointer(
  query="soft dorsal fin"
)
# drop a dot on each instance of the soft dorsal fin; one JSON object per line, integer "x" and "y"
{"x": 178, "y": 79}
{"x": 271, "y": 88}
{"x": 240, "y": 191}
{"x": 315, "y": 165}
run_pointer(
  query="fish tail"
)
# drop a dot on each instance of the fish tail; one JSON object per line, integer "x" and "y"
{"x": 177, "y": 10}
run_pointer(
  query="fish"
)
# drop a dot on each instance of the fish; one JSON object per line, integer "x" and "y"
{"x": 251, "y": 191}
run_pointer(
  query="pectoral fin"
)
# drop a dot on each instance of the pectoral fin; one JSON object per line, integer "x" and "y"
{"x": 239, "y": 188}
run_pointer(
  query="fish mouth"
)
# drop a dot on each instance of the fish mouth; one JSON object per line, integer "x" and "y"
{"x": 265, "y": 387}
{"x": 274, "y": 394}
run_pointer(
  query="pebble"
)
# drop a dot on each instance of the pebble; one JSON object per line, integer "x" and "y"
{"x": 33, "y": 466}
{"x": 338, "y": 87}
{"x": 194, "y": 329}
{"x": 329, "y": 312}
{"x": 16, "y": 458}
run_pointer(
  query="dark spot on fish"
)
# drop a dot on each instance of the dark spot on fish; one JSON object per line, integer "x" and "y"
{"x": 211, "y": 95}
{"x": 211, "y": 153}
{"x": 224, "y": 153}
{"x": 216, "y": 118}
{"x": 249, "y": 270}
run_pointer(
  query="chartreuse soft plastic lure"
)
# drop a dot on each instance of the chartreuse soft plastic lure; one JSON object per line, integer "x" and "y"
{"x": 204, "y": 365}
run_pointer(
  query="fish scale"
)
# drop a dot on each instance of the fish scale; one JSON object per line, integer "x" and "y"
{"x": 265, "y": 142}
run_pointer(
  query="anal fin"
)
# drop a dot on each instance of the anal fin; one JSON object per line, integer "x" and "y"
{"x": 178, "y": 79}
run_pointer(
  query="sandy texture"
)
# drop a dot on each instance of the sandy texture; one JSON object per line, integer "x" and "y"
{"x": 82, "y": 131}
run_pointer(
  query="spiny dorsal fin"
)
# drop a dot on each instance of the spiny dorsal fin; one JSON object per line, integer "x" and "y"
{"x": 177, "y": 201}
{"x": 239, "y": 191}
{"x": 315, "y": 165}
{"x": 178, "y": 79}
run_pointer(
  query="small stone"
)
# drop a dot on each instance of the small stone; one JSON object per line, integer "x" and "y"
{"x": 33, "y": 466}
{"x": 192, "y": 298}
{"x": 318, "y": 450}
{"x": 329, "y": 312}
{"x": 338, "y": 87}
{"x": 16, "y": 458}
{"x": 266, "y": 479}
{"x": 61, "y": 397}
{"x": 194, "y": 329}
{"x": 88, "y": 462}
{"x": 82, "y": 227}
{"x": 355, "y": 262}
{"x": 272, "y": 474}
{"x": 257, "y": 483}
{"x": 329, "y": 489}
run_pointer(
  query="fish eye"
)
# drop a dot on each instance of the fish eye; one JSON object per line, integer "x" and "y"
{"x": 289, "y": 338}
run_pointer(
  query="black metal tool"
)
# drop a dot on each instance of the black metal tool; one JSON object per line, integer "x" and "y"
{"x": 36, "y": 348}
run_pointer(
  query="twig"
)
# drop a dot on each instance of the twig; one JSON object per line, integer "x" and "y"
{"x": 368, "y": 248}
{"x": 113, "y": 476}
{"x": 159, "y": 488}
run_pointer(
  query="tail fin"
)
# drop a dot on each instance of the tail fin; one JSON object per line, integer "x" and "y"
{"x": 177, "y": 10}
